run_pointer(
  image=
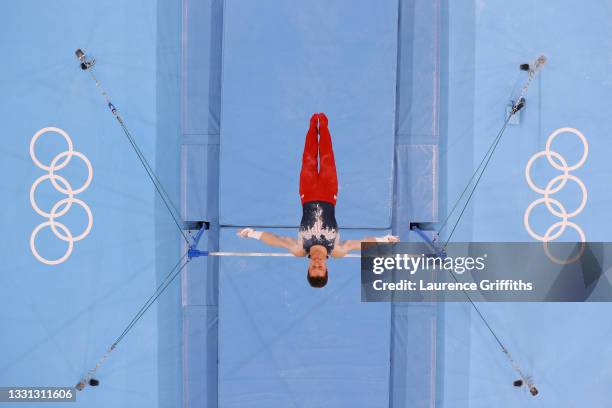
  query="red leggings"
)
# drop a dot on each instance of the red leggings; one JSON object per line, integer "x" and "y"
{"x": 318, "y": 184}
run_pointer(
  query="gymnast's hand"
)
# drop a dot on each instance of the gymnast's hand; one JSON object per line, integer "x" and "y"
{"x": 387, "y": 239}
{"x": 322, "y": 120}
{"x": 249, "y": 233}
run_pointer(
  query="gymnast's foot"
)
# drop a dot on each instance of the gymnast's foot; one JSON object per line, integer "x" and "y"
{"x": 322, "y": 120}
{"x": 314, "y": 121}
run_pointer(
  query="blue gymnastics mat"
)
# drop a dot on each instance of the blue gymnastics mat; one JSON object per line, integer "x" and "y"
{"x": 284, "y": 60}
{"x": 283, "y": 344}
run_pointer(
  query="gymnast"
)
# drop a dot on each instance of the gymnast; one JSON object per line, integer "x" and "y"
{"x": 318, "y": 236}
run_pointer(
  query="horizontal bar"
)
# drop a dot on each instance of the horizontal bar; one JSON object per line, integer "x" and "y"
{"x": 266, "y": 254}
{"x": 297, "y": 227}
{"x": 194, "y": 253}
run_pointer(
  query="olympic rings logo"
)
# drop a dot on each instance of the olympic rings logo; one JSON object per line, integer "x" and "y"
{"x": 62, "y": 206}
{"x": 555, "y": 207}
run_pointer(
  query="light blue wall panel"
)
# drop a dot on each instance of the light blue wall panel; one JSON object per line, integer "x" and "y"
{"x": 414, "y": 355}
{"x": 414, "y": 331}
{"x": 284, "y": 60}
{"x": 200, "y": 175}
{"x": 58, "y": 321}
{"x": 571, "y": 90}
{"x": 200, "y": 325}
{"x": 201, "y": 67}
{"x": 417, "y": 183}
{"x": 418, "y": 71}
{"x": 199, "y": 279}
{"x": 486, "y": 45}
{"x": 201, "y": 106}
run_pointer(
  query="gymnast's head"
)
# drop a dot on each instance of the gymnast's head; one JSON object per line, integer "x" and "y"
{"x": 317, "y": 269}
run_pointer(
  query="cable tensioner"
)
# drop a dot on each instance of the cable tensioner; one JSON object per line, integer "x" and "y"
{"x": 83, "y": 383}
{"x": 85, "y": 62}
{"x": 532, "y": 388}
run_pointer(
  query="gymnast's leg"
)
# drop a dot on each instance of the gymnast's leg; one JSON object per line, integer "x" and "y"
{"x": 309, "y": 174}
{"x": 328, "y": 179}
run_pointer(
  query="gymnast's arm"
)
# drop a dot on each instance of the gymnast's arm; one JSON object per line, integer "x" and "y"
{"x": 345, "y": 247}
{"x": 274, "y": 240}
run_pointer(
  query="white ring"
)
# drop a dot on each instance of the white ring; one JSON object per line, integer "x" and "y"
{"x": 63, "y": 187}
{"x": 528, "y": 173}
{"x": 582, "y": 203}
{"x": 578, "y": 133}
{"x": 528, "y": 213}
{"x": 33, "y": 244}
{"x": 573, "y": 258}
{"x": 33, "y": 200}
{"x": 70, "y": 154}
{"x": 553, "y": 186}
{"x": 40, "y": 133}
{"x": 89, "y": 219}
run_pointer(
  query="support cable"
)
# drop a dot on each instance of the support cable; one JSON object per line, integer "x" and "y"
{"x": 440, "y": 250}
{"x": 87, "y": 65}
{"x": 517, "y": 105}
{"x": 174, "y": 272}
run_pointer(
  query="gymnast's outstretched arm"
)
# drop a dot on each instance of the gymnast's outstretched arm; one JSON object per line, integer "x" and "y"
{"x": 345, "y": 247}
{"x": 274, "y": 240}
